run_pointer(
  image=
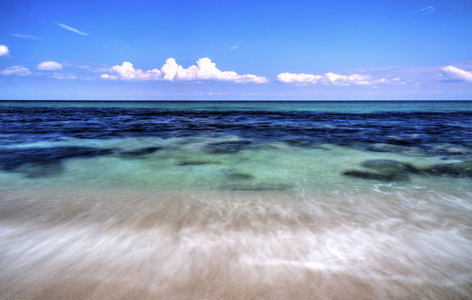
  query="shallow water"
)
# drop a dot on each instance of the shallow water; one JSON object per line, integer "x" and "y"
{"x": 235, "y": 200}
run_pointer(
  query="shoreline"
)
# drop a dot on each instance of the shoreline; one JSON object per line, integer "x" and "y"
{"x": 241, "y": 245}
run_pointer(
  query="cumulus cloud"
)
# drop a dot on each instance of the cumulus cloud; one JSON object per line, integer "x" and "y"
{"x": 128, "y": 72}
{"x": 205, "y": 69}
{"x": 3, "y": 50}
{"x": 16, "y": 70}
{"x": 299, "y": 78}
{"x": 332, "y": 79}
{"x": 452, "y": 73}
{"x": 49, "y": 65}
{"x": 72, "y": 29}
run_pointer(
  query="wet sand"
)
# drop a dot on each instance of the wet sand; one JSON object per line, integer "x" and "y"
{"x": 235, "y": 245}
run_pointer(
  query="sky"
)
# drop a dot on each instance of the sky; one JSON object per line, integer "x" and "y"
{"x": 236, "y": 50}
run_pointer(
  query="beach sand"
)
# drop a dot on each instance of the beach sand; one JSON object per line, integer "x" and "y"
{"x": 71, "y": 244}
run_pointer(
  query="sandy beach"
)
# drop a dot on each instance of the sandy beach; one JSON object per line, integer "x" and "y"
{"x": 238, "y": 245}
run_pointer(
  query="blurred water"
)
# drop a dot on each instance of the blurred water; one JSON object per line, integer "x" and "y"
{"x": 235, "y": 200}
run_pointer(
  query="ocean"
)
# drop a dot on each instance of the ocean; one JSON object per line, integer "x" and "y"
{"x": 235, "y": 200}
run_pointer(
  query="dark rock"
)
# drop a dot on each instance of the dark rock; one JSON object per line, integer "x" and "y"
{"x": 384, "y": 169}
{"x": 38, "y": 162}
{"x": 195, "y": 162}
{"x": 382, "y": 147}
{"x": 229, "y": 147}
{"x": 463, "y": 169}
{"x": 142, "y": 151}
{"x": 389, "y": 166}
{"x": 377, "y": 176}
{"x": 298, "y": 143}
{"x": 40, "y": 170}
{"x": 240, "y": 176}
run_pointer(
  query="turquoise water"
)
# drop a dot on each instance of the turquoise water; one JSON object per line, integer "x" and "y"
{"x": 235, "y": 200}
{"x": 314, "y": 106}
{"x": 182, "y": 164}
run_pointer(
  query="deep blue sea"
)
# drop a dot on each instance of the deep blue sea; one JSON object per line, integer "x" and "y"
{"x": 236, "y": 200}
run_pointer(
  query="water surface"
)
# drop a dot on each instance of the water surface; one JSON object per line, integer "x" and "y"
{"x": 235, "y": 200}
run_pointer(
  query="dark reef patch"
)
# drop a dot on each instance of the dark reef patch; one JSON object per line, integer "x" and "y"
{"x": 140, "y": 152}
{"x": 38, "y": 162}
{"x": 195, "y": 162}
{"x": 383, "y": 169}
{"x": 389, "y": 166}
{"x": 391, "y": 170}
{"x": 377, "y": 176}
{"x": 228, "y": 147}
{"x": 240, "y": 176}
{"x": 463, "y": 169}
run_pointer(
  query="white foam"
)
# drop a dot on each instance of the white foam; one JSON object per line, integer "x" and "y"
{"x": 390, "y": 248}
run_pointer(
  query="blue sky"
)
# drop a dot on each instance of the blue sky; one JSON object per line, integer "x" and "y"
{"x": 179, "y": 50}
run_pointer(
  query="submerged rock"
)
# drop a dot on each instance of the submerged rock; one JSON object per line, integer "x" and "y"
{"x": 389, "y": 166}
{"x": 240, "y": 176}
{"x": 195, "y": 162}
{"x": 384, "y": 169}
{"x": 383, "y": 147}
{"x": 40, "y": 170}
{"x": 463, "y": 169}
{"x": 408, "y": 150}
{"x": 299, "y": 143}
{"x": 39, "y": 162}
{"x": 142, "y": 151}
{"x": 228, "y": 147}
{"x": 377, "y": 176}
{"x": 390, "y": 170}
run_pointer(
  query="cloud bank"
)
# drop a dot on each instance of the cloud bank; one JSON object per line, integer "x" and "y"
{"x": 452, "y": 73}
{"x": 205, "y": 69}
{"x": 3, "y": 50}
{"x": 16, "y": 70}
{"x": 332, "y": 79}
{"x": 49, "y": 66}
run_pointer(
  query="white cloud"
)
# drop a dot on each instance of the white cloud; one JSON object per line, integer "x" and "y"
{"x": 331, "y": 79}
{"x": 128, "y": 72}
{"x": 63, "y": 76}
{"x": 106, "y": 76}
{"x": 49, "y": 65}
{"x": 426, "y": 10}
{"x": 94, "y": 68}
{"x": 170, "y": 71}
{"x": 236, "y": 45}
{"x": 72, "y": 29}
{"x": 299, "y": 78}
{"x": 16, "y": 70}
{"x": 452, "y": 73}
{"x": 24, "y": 36}
{"x": 3, "y": 50}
